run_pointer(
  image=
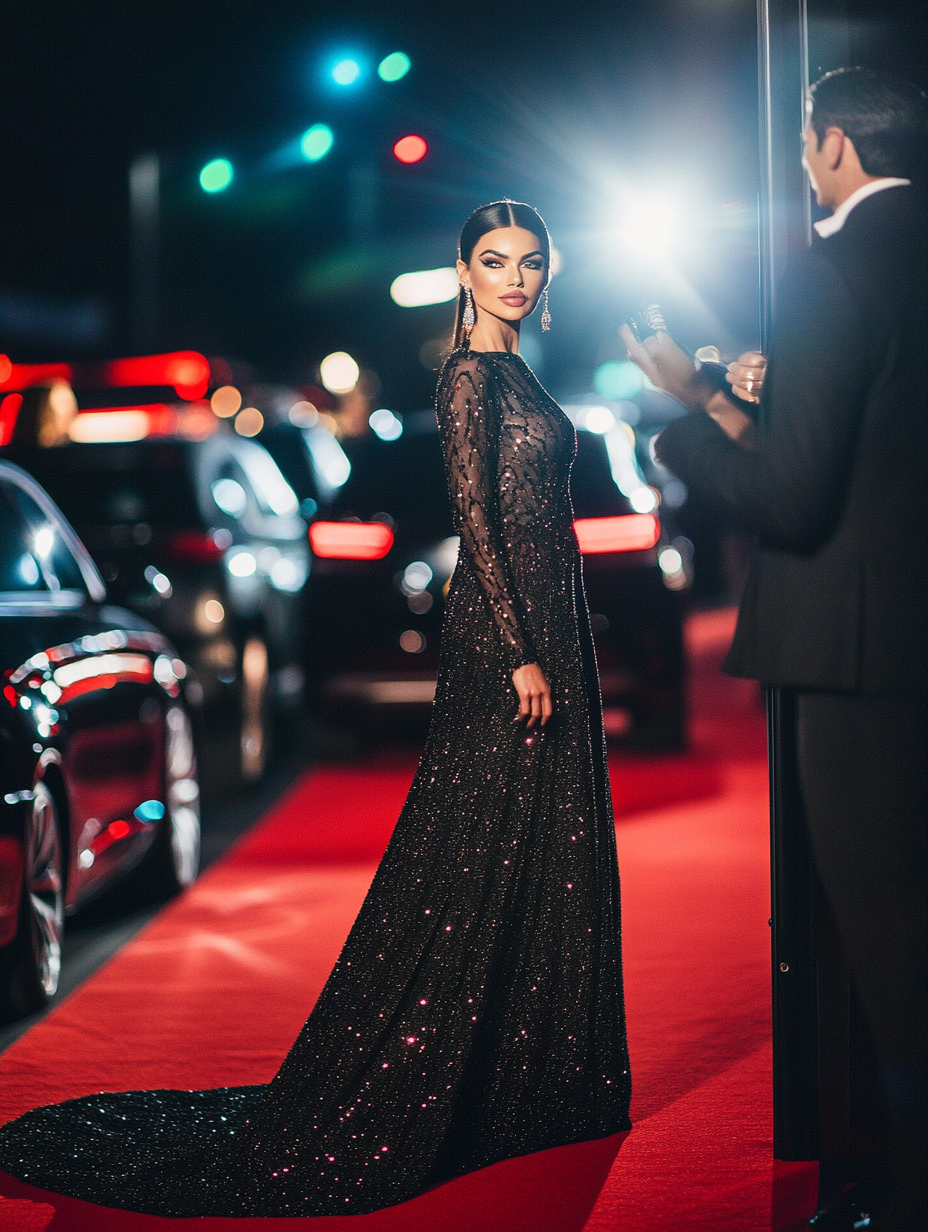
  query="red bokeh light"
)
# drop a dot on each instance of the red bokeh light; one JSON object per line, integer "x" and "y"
{"x": 411, "y": 149}
{"x": 351, "y": 540}
{"x": 9, "y": 409}
{"x": 21, "y": 376}
{"x": 630, "y": 532}
{"x": 187, "y": 371}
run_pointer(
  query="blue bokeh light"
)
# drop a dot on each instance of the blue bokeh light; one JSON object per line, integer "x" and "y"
{"x": 346, "y": 72}
{"x": 618, "y": 380}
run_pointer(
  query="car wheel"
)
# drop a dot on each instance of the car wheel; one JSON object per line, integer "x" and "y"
{"x": 254, "y": 731}
{"x": 30, "y": 965}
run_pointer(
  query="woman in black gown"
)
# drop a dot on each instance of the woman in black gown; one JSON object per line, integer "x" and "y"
{"x": 475, "y": 1012}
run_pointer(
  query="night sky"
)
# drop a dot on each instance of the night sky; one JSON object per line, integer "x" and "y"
{"x": 574, "y": 108}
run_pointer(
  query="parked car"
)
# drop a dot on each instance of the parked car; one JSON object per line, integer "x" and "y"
{"x": 204, "y": 538}
{"x": 386, "y": 550}
{"x": 98, "y": 771}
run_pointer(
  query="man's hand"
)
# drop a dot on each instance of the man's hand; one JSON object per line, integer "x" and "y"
{"x": 746, "y": 375}
{"x": 669, "y": 368}
{"x": 534, "y": 694}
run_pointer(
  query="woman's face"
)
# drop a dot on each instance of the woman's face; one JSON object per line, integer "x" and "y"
{"x": 506, "y": 273}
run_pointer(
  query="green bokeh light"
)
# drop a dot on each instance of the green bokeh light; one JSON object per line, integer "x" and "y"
{"x": 316, "y": 142}
{"x": 216, "y": 176}
{"x": 618, "y": 381}
{"x": 394, "y": 66}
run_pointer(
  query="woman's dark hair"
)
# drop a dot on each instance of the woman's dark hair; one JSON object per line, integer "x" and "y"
{"x": 885, "y": 117}
{"x": 490, "y": 218}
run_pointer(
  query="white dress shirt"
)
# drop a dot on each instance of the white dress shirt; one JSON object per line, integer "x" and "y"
{"x": 830, "y": 226}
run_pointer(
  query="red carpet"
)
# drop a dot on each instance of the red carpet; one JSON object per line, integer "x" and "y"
{"x": 215, "y": 989}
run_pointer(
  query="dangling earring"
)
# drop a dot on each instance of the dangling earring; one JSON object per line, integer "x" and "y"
{"x": 545, "y": 315}
{"x": 469, "y": 318}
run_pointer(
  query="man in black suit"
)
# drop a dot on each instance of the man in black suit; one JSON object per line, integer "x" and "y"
{"x": 832, "y": 479}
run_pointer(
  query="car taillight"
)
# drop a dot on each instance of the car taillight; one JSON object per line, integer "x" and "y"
{"x": 631, "y": 532}
{"x": 351, "y": 540}
{"x": 193, "y": 547}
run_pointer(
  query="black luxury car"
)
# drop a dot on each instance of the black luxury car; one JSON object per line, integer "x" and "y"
{"x": 204, "y": 538}
{"x": 98, "y": 771}
{"x": 386, "y": 549}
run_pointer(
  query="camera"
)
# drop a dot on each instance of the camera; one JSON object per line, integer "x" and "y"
{"x": 647, "y": 322}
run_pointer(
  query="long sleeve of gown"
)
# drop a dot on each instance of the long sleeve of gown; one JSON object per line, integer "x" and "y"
{"x": 468, "y": 421}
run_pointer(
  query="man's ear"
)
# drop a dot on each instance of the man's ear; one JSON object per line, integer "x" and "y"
{"x": 832, "y": 147}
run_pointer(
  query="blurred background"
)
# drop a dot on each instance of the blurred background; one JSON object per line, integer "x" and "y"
{"x": 632, "y": 128}
{"x": 227, "y": 240}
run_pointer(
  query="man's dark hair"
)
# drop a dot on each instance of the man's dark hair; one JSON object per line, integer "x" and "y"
{"x": 885, "y": 117}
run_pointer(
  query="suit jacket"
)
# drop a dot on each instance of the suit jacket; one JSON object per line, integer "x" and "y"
{"x": 836, "y": 488}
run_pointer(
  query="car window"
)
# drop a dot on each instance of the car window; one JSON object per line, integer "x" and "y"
{"x": 34, "y": 558}
{"x": 117, "y": 485}
{"x": 273, "y": 492}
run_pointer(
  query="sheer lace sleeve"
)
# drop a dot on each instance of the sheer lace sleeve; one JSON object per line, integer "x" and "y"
{"x": 469, "y": 427}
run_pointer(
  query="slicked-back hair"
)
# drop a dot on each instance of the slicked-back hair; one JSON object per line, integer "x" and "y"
{"x": 490, "y": 218}
{"x": 884, "y": 116}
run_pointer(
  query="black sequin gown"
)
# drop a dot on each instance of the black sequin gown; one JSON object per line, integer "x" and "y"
{"x": 476, "y": 1011}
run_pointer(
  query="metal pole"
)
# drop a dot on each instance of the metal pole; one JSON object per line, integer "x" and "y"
{"x": 144, "y": 215}
{"x": 765, "y": 199}
{"x": 785, "y": 226}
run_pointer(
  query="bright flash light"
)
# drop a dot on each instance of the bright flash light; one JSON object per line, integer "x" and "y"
{"x": 339, "y": 373}
{"x": 649, "y": 227}
{"x": 316, "y": 142}
{"x": 393, "y": 67}
{"x": 44, "y": 542}
{"x": 346, "y": 72}
{"x": 670, "y": 561}
{"x": 599, "y": 419}
{"x": 386, "y": 425}
{"x": 421, "y": 287}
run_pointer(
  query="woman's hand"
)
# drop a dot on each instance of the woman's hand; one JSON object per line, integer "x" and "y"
{"x": 746, "y": 375}
{"x": 534, "y": 694}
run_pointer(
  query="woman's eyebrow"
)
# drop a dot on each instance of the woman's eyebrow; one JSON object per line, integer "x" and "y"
{"x": 492, "y": 252}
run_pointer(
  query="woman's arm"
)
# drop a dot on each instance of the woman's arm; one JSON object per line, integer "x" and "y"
{"x": 469, "y": 427}
{"x": 470, "y": 439}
